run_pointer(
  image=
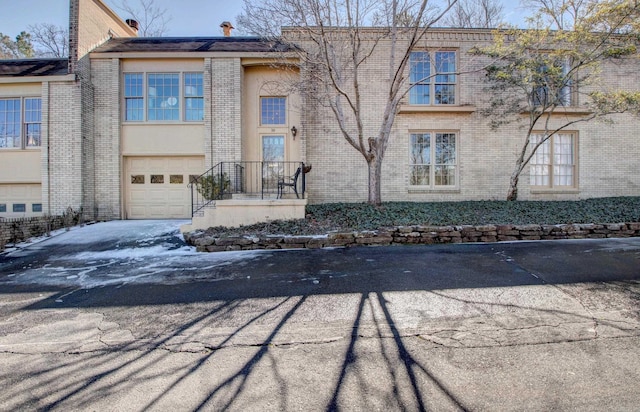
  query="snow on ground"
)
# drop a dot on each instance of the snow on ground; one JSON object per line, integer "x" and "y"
{"x": 120, "y": 252}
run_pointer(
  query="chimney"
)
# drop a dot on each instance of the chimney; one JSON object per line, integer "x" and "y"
{"x": 226, "y": 28}
{"x": 133, "y": 24}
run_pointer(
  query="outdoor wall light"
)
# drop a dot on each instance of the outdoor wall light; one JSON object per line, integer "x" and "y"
{"x": 294, "y": 132}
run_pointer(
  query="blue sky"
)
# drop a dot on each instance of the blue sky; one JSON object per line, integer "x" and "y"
{"x": 188, "y": 17}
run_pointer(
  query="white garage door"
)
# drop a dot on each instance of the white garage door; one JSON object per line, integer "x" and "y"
{"x": 157, "y": 187}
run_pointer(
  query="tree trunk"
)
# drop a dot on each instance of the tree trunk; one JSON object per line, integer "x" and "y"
{"x": 375, "y": 178}
{"x": 512, "y": 195}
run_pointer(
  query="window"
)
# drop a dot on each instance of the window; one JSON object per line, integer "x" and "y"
{"x": 433, "y": 159}
{"x": 432, "y": 77}
{"x": 193, "y": 97}
{"x": 32, "y": 122}
{"x": 162, "y": 100}
{"x": 553, "y": 164}
{"x": 163, "y": 94}
{"x": 133, "y": 97}
{"x": 553, "y": 84}
{"x": 36, "y": 207}
{"x": 19, "y": 208}
{"x": 3, "y": 207}
{"x": 273, "y": 110}
{"x": 273, "y": 158}
{"x": 20, "y": 122}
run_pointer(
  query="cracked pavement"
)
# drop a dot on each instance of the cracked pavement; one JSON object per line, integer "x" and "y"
{"x": 123, "y": 316}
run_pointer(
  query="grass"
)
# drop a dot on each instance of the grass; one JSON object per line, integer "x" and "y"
{"x": 324, "y": 218}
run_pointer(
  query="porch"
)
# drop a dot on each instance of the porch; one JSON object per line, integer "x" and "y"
{"x": 241, "y": 193}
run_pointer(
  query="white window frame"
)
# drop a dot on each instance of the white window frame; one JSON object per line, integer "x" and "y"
{"x": 285, "y": 114}
{"x": 190, "y": 97}
{"x": 181, "y": 99}
{"x": 133, "y": 97}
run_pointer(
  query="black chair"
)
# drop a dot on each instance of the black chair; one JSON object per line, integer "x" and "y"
{"x": 292, "y": 182}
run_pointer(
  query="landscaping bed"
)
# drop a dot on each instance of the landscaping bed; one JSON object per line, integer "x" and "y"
{"x": 351, "y": 224}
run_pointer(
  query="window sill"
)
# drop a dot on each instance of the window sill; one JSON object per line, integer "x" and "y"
{"x": 163, "y": 123}
{"x": 554, "y": 191}
{"x": 443, "y": 108}
{"x": 18, "y": 149}
{"x": 418, "y": 189}
{"x": 566, "y": 111}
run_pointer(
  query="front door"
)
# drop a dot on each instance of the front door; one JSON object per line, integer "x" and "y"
{"x": 273, "y": 161}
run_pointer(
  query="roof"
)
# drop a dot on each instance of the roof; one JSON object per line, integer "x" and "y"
{"x": 190, "y": 44}
{"x": 34, "y": 67}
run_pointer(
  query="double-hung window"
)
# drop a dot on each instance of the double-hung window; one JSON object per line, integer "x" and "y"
{"x": 433, "y": 159}
{"x": 20, "y": 122}
{"x": 133, "y": 97}
{"x": 162, "y": 97}
{"x": 193, "y": 97}
{"x": 553, "y": 165}
{"x": 552, "y": 84}
{"x": 432, "y": 77}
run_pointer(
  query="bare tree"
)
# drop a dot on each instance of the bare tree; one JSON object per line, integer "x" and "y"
{"x": 50, "y": 40}
{"x": 333, "y": 43}
{"x": 476, "y": 14}
{"x": 153, "y": 19}
{"x": 558, "y": 14}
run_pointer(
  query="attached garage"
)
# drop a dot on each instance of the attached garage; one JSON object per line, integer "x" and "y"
{"x": 20, "y": 200}
{"x": 157, "y": 187}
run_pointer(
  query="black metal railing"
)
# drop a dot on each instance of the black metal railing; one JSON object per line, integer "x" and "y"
{"x": 260, "y": 180}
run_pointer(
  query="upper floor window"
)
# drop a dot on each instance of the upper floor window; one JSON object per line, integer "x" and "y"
{"x": 552, "y": 84}
{"x": 193, "y": 97}
{"x": 273, "y": 110}
{"x": 133, "y": 97}
{"x": 432, "y": 77}
{"x": 20, "y": 122}
{"x": 433, "y": 159}
{"x": 164, "y": 94}
{"x": 553, "y": 165}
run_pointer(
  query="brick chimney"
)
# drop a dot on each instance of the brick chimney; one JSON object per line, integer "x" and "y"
{"x": 226, "y": 28}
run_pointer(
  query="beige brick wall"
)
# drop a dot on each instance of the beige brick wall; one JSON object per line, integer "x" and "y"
{"x": 226, "y": 111}
{"x": 65, "y": 147}
{"x": 91, "y": 23}
{"x": 105, "y": 74}
{"x": 607, "y": 154}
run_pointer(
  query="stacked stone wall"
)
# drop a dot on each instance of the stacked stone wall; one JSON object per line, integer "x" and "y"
{"x": 406, "y": 235}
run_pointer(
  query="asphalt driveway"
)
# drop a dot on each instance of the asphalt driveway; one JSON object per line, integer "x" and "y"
{"x": 124, "y": 316}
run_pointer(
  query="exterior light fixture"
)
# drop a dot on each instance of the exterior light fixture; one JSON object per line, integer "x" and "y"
{"x": 294, "y": 132}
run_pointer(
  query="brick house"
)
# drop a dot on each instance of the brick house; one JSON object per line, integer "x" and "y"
{"x": 123, "y": 129}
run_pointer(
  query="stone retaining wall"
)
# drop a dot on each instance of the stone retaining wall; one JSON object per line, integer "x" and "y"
{"x": 415, "y": 235}
{"x": 21, "y": 229}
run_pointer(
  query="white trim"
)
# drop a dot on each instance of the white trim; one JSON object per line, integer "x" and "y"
{"x": 38, "y": 79}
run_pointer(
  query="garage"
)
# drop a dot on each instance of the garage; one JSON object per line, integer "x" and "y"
{"x": 157, "y": 187}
